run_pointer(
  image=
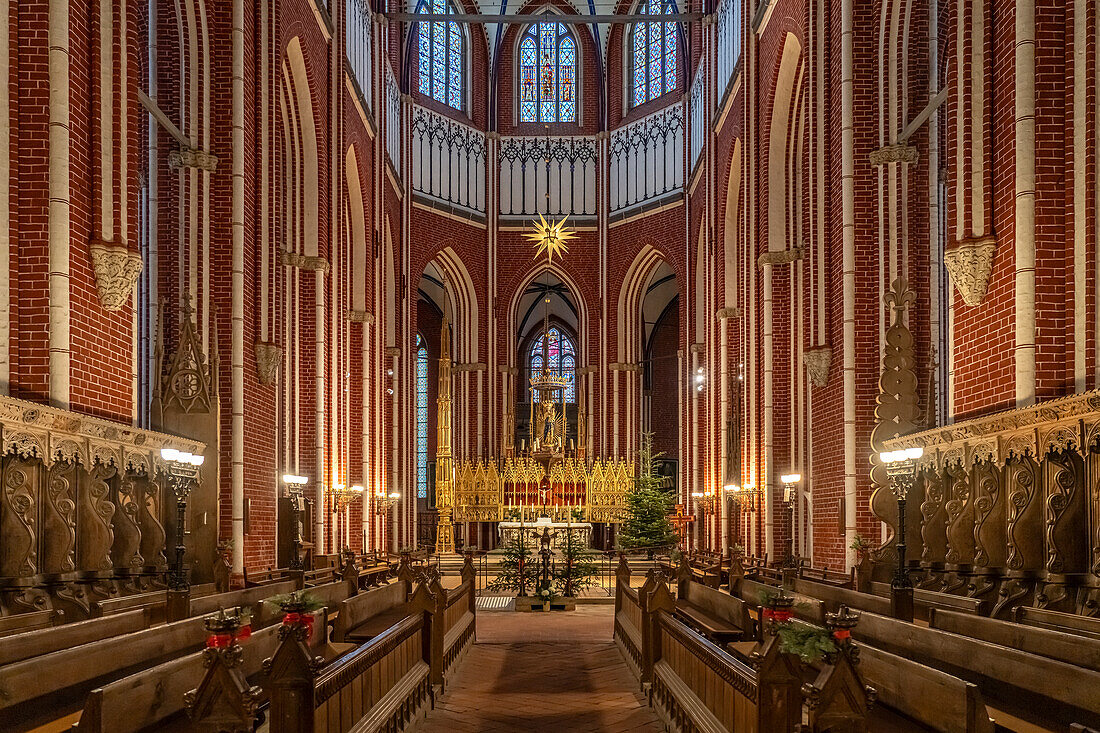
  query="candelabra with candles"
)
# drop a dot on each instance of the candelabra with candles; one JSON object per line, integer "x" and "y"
{"x": 383, "y": 503}
{"x": 183, "y": 477}
{"x": 790, "y": 496}
{"x": 293, "y": 490}
{"x": 901, "y": 468}
{"x": 341, "y": 497}
{"x": 740, "y": 495}
{"x": 707, "y": 501}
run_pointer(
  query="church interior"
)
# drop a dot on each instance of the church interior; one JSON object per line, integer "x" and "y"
{"x": 557, "y": 365}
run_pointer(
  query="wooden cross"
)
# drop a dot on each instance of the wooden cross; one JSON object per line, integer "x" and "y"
{"x": 681, "y": 521}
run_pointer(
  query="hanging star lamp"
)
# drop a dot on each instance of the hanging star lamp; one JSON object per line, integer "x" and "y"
{"x": 550, "y": 237}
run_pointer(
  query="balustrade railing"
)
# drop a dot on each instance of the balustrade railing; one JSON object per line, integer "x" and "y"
{"x": 393, "y": 120}
{"x": 729, "y": 42}
{"x": 359, "y": 44}
{"x": 555, "y": 176}
{"x": 647, "y": 158}
{"x": 448, "y": 160}
{"x": 697, "y": 102}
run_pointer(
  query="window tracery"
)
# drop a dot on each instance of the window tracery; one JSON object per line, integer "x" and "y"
{"x": 442, "y": 53}
{"x": 547, "y": 73}
{"x": 554, "y": 350}
{"x": 653, "y": 58}
{"x": 421, "y": 418}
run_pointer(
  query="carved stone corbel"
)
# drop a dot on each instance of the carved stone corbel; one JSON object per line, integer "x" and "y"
{"x": 116, "y": 271}
{"x": 970, "y": 264}
{"x": 817, "y": 361}
{"x": 900, "y": 153}
{"x": 268, "y": 356}
{"x": 727, "y": 313}
{"x": 303, "y": 262}
{"x": 780, "y": 257}
{"x": 193, "y": 158}
{"x": 360, "y": 317}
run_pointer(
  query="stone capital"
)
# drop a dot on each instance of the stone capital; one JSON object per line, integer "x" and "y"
{"x": 361, "y": 317}
{"x": 268, "y": 356}
{"x": 727, "y": 313}
{"x": 970, "y": 263}
{"x": 116, "y": 272}
{"x": 817, "y": 360}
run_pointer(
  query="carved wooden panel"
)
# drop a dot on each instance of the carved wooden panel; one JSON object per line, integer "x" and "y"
{"x": 94, "y": 514}
{"x": 989, "y": 516}
{"x": 126, "y": 550}
{"x": 57, "y": 539}
{"x": 933, "y": 518}
{"x": 960, "y": 516}
{"x": 1065, "y": 513}
{"x": 1094, "y": 512}
{"x": 150, "y": 512}
{"x": 1024, "y": 516}
{"x": 18, "y": 517}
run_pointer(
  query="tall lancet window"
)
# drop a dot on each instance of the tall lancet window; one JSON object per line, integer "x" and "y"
{"x": 421, "y": 418}
{"x": 554, "y": 350}
{"x": 547, "y": 74}
{"x": 653, "y": 54}
{"x": 442, "y": 47}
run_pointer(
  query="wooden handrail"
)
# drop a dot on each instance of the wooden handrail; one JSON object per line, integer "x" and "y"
{"x": 345, "y": 669}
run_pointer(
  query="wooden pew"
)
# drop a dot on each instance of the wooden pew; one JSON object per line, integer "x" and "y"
{"x": 384, "y": 684}
{"x": 720, "y": 617}
{"x": 1076, "y": 650}
{"x": 805, "y": 607}
{"x": 155, "y": 601}
{"x": 930, "y": 697}
{"x": 1018, "y": 675}
{"x": 1067, "y": 623}
{"x": 249, "y": 597}
{"x": 453, "y": 627}
{"x": 366, "y": 615}
{"x": 265, "y": 577}
{"x": 46, "y": 641}
{"x": 151, "y": 697}
{"x": 319, "y": 576}
{"x": 834, "y": 596}
{"x": 694, "y": 680}
{"x": 923, "y": 600}
{"x": 23, "y": 622}
{"x": 827, "y": 577}
{"x": 74, "y": 671}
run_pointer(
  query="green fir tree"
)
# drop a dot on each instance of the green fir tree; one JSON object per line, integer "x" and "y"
{"x": 648, "y": 525}
{"x": 576, "y": 567}
{"x": 519, "y": 566}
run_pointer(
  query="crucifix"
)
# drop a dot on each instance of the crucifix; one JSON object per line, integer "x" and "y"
{"x": 681, "y": 521}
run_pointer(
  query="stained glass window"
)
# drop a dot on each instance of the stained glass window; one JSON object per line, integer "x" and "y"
{"x": 653, "y": 60}
{"x": 547, "y": 74}
{"x": 421, "y": 418}
{"x": 441, "y": 47}
{"x": 555, "y": 350}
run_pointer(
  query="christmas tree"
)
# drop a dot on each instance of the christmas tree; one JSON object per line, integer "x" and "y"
{"x": 519, "y": 568}
{"x": 649, "y": 506}
{"x": 577, "y": 565}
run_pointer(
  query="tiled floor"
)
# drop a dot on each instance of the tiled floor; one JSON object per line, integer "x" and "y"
{"x": 536, "y": 672}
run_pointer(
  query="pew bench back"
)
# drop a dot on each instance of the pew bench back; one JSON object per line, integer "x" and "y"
{"x": 1076, "y": 650}
{"x": 358, "y": 610}
{"x": 45, "y": 641}
{"x": 806, "y": 608}
{"x": 1068, "y": 623}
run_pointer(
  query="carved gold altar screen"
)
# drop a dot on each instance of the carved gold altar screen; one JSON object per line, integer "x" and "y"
{"x": 492, "y": 491}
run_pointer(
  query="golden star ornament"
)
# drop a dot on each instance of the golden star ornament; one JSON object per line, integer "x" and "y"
{"x": 550, "y": 237}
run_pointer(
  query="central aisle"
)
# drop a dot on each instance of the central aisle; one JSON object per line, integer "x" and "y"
{"x": 536, "y": 672}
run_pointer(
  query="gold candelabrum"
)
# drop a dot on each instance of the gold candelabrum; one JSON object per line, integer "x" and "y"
{"x": 341, "y": 496}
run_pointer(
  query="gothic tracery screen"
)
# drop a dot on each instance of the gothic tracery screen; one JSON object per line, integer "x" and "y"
{"x": 652, "y": 55}
{"x": 441, "y": 55}
{"x": 558, "y": 354}
{"x": 547, "y": 74}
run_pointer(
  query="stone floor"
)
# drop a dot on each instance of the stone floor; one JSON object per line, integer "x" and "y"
{"x": 537, "y": 672}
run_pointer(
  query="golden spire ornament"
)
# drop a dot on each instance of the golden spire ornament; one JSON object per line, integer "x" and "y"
{"x": 550, "y": 237}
